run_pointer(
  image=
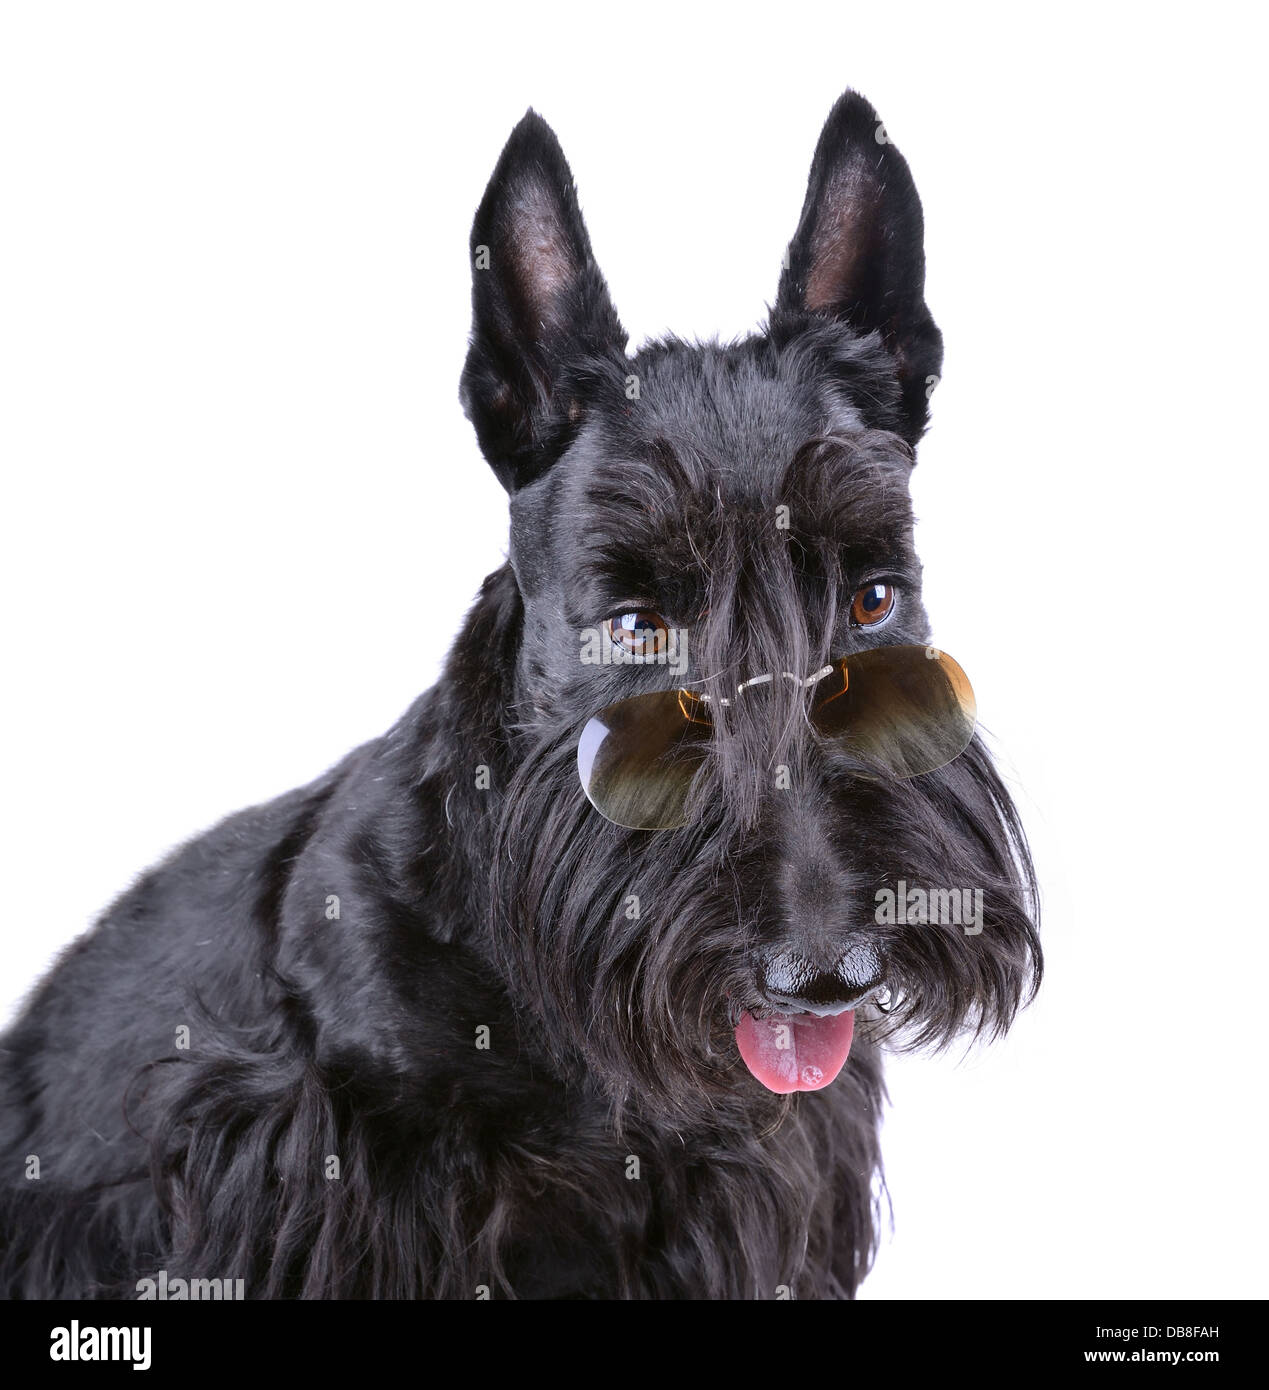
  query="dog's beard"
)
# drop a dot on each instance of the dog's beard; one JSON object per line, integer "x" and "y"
{"x": 622, "y": 945}
{"x": 958, "y": 826}
{"x": 633, "y": 953}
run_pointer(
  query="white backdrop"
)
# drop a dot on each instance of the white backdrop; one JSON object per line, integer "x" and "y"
{"x": 243, "y": 514}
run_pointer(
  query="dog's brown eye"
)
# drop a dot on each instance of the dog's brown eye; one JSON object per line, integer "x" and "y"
{"x": 872, "y": 605}
{"x": 641, "y": 633}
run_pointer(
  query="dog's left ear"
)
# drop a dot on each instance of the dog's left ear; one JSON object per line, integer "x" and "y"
{"x": 539, "y": 305}
{"x": 858, "y": 253}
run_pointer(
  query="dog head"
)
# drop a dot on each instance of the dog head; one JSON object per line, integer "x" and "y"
{"x": 705, "y": 517}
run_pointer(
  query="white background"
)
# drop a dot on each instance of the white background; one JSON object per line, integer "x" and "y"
{"x": 243, "y": 514}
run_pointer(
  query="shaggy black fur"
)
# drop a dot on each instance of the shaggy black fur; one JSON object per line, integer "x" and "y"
{"x": 636, "y": 482}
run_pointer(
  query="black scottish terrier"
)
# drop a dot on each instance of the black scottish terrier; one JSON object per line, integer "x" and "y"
{"x": 435, "y": 1027}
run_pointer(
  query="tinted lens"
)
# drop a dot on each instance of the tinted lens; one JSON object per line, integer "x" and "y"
{"x": 906, "y": 709}
{"x": 637, "y": 758}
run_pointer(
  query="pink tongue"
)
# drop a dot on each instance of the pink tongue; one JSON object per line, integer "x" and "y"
{"x": 795, "y": 1052}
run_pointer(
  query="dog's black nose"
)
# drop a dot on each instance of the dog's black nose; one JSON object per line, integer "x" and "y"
{"x": 794, "y": 983}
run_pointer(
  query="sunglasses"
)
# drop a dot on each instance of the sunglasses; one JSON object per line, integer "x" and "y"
{"x": 902, "y": 710}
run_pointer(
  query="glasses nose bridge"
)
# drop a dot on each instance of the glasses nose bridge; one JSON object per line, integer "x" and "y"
{"x": 768, "y": 716}
{"x": 771, "y": 678}
{"x": 763, "y": 739}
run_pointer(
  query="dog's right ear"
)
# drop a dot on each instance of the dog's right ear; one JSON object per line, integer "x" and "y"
{"x": 858, "y": 254}
{"x": 539, "y": 304}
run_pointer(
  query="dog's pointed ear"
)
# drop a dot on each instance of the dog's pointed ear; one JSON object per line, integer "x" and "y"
{"x": 539, "y": 304}
{"x": 858, "y": 253}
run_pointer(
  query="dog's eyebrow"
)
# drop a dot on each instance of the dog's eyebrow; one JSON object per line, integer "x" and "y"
{"x": 846, "y": 492}
{"x": 853, "y": 487}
